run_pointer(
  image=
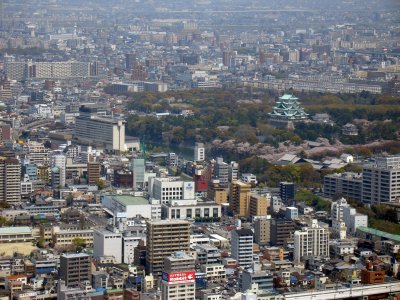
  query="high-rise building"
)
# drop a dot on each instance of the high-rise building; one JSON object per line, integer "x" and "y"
{"x": 47, "y": 70}
{"x": 286, "y": 191}
{"x": 10, "y": 180}
{"x": 227, "y": 57}
{"x": 178, "y": 286}
{"x": 138, "y": 170}
{"x": 347, "y": 184}
{"x": 139, "y": 72}
{"x": 59, "y": 161}
{"x": 221, "y": 172}
{"x": 93, "y": 172}
{"x": 294, "y": 56}
{"x": 311, "y": 241}
{"x": 56, "y": 177}
{"x": 172, "y": 160}
{"x": 262, "y": 230}
{"x": 167, "y": 189}
{"x": 281, "y": 231}
{"x": 130, "y": 60}
{"x": 233, "y": 171}
{"x": 337, "y": 209}
{"x": 380, "y": 181}
{"x": 239, "y": 198}
{"x": 107, "y": 243}
{"x": 199, "y": 152}
{"x": 75, "y": 268}
{"x": 5, "y": 132}
{"x": 353, "y": 220}
{"x": 91, "y": 129}
{"x": 217, "y": 193}
{"x": 163, "y": 239}
{"x": 5, "y": 90}
{"x": 16, "y": 70}
{"x": 242, "y": 246}
{"x": 258, "y": 205}
{"x": 37, "y": 153}
{"x": 291, "y": 213}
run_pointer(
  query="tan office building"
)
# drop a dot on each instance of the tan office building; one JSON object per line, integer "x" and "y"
{"x": 217, "y": 193}
{"x": 164, "y": 237}
{"x": 10, "y": 180}
{"x": 239, "y": 198}
{"x": 258, "y": 205}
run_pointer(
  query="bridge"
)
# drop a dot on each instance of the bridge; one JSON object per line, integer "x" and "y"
{"x": 32, "y": 125}
{"x": 358, "y": 291}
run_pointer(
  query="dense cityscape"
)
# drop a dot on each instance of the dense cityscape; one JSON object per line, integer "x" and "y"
{"x": 199, "y": 150}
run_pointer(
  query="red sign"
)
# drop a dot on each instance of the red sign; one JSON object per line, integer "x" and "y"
{"x": 178, "y": 277}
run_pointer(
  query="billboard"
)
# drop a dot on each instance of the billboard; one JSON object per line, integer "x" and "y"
{"x": 188, "y": 190}
{"x": 179, "y": 277}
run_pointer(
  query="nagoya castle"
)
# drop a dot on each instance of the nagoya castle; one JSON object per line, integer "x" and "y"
{"x": 287, "y": 111}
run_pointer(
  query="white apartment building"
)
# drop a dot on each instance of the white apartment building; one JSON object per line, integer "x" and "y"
{"x": 42, "y": 111}
{"x": 353, "y": 220}
{"x": 37, "y": 153}
{"x": 341, "y": 248}
{"x": 59, "y": 161}
{"x": 26, "y": 186}
{"x": 233, "y": 171}
{"x": 249, "y": 178}
{"x": 339, "y": 229}
{"x": 131, "y": 206}
{"x": 138, "y": 173}
{"x": 199, "y": 152}
{"x": 348, "y": 184}
{"x": 381, "y": 181}
{"x": 47, "y": 70}
{"x": 242, "y": 246}
{"x": 337, "y": 209}
{"x": 171, "y": 188}
{"x": 91, "y": 129}
{"x": 10, "y": 180}
{"x": 107, "y": 243}
{"x": 178, "y": 286}
{"x": 129, "y": 244}
{"x": 341, "y": 211}
{"x": 214, "y": 272}
{"x": 221, "y": 171}
{"x": 311, "y": 241}
{"x": 190, "y": 209}
{"x": 68, "y": 117}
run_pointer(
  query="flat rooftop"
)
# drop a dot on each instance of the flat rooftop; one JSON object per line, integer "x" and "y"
{"x": 167, "y": 222}
{"x": 15, "y": 230}
{"x": 131, "y": 200}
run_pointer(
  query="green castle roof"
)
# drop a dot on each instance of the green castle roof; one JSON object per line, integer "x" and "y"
{"x": 288, "y": 108}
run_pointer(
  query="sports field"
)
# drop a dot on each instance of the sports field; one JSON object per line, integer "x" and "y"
{"x": 9, "y": 249}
